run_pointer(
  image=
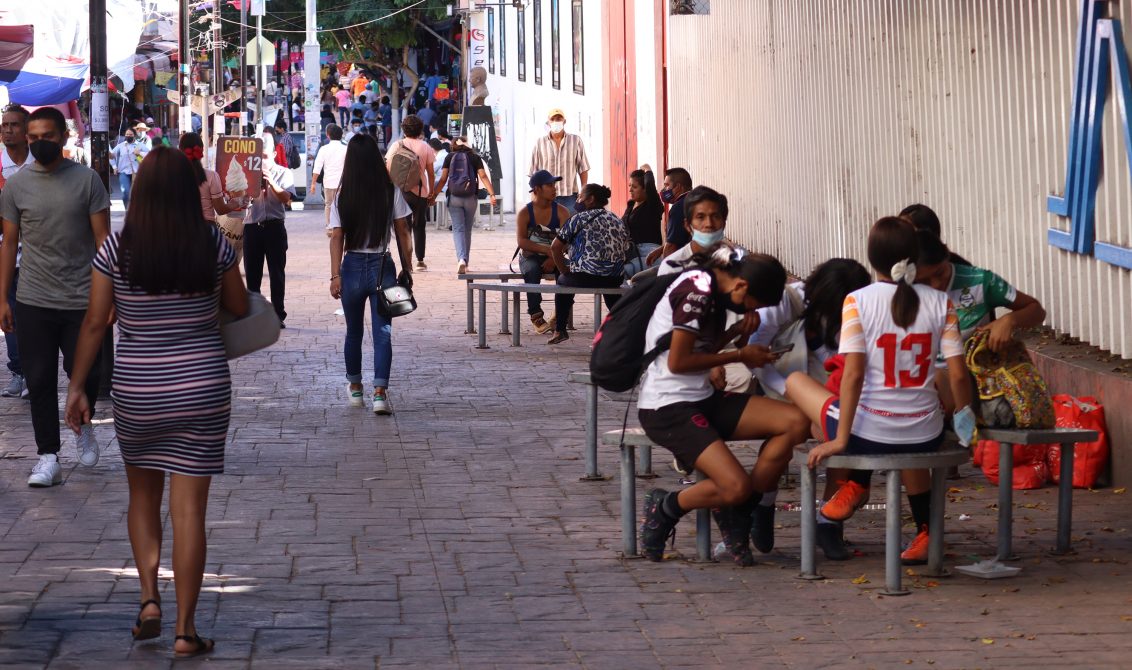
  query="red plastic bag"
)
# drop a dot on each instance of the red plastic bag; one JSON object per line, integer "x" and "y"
{"x": 1089, "y": 458}
{"x": 1031, "y": 469}
{"x": 835, "y": 366}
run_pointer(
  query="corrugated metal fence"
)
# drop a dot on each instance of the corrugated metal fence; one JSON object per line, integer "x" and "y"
{"x": 816, "y": 117}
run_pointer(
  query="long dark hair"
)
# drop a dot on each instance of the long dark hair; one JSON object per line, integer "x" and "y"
{"x": 193, "y": 141}
{"x": 365, "y": 195}
{"x": 166, "y": 245}
{"x": 652, "y": 198}
{"x": 825, "y": 290}
{"x": 891, "y": 240}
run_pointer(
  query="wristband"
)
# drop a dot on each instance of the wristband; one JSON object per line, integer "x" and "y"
{"x": 333, "y": 277}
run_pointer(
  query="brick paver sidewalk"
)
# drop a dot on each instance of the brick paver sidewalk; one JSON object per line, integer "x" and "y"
{"x": 456, "y": 533}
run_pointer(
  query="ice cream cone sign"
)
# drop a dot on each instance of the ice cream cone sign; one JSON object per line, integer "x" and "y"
{"x": 239, "y": 161}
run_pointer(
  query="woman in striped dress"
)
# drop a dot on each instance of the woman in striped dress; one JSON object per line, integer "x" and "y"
{"x": 165, "y": 275}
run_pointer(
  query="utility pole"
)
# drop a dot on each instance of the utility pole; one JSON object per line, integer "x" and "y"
{"x": 217, "y": 63}
{"x": 99, "y": 145}
{"x": 260, "y": 70}
{"x": 185, "y": 118}
{"x": 243, "y": 67}
{"x": 312, "y": 90}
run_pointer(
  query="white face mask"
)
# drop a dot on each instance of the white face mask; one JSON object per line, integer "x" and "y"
{"x": 557, "y": 126}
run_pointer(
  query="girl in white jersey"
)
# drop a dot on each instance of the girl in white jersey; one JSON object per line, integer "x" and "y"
{"x": 681, "y": 411}
{"x": 891, "y": 334}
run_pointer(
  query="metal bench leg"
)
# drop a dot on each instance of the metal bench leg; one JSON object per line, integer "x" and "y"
{"x": 935, "y": 524}
{"x": 1065, "y": 501}
{"x": 628, "y": 503}
{"x": 703, "y": 529}
{"x": 597, "y": 312}
{"x": 1005, "y": 501}
{"x": 483, "y": 321}
{"x": 592, "y": 475}
{"x": 892, "y": 576}
{"x": 504, "y": 321}
{"x": 809, "y": 524}
{"x": 471, "y": 328}
{"x": 645, "y": 471}
{"x": 514, "y": 319}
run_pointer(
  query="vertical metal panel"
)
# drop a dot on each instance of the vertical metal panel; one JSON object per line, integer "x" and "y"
{"x": 816, "y": 117}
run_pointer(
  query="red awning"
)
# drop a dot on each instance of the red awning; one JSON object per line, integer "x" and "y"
{"x": 15, "y": 46}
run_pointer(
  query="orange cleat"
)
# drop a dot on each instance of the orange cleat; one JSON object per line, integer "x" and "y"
{"x": 917, "y": 552}
{"x": 845, "y": 502}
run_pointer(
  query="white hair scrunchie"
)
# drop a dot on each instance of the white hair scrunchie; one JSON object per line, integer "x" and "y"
{"x": 904, "y": 271}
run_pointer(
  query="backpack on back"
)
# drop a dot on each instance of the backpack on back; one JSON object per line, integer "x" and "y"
{"x": 461, "y": 179}
{"x": 1011, "y": 392}
{"x": 293, "y": 157}
{"x": 405, "y": 168}
{"x": 618, "y": 357}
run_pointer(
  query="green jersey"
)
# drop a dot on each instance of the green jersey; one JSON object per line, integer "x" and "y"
{"x": 976, "y": 293}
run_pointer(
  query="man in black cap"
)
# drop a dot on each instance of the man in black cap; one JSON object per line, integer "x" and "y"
{"x": 535, "y": 228}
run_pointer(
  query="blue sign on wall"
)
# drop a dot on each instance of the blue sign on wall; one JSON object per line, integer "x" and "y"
{"x": 1100, "y": 53}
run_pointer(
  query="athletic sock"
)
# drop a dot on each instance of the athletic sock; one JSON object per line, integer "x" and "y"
{"x": 671, "y": 507}
{"x": 768, "y": 498}
{"x": 822, "y": 519}
{"x": 862, "y": 477}
{"x": 921, "y": 504}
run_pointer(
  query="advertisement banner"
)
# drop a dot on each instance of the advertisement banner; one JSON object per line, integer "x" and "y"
{"x": 239, "y": 161}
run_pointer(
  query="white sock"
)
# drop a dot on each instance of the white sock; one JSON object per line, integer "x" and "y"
{"x": 52, "y": 458}
{"x": 768, "y": 498}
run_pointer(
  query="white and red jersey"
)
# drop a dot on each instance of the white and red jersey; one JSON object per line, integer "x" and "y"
{"x": 899, "y": 403}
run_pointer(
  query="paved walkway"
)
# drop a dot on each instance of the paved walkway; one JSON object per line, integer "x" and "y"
{"x": 456, "y": 533}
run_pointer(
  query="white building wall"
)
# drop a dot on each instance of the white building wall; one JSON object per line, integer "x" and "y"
{"x": 648, "y": 58}
{"x": 521, "y": 107}
{"x": 816, "y": 117}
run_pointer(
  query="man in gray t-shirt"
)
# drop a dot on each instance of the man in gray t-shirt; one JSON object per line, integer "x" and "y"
{"x": 60, "y": 211}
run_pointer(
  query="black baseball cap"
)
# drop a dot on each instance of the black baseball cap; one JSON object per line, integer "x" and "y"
{"x": 542, "y": 178}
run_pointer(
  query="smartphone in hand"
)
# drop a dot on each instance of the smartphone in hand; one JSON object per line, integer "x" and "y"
{"x": 778, "y": 351}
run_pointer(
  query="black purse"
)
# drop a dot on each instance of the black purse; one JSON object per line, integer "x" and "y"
{"x": 397, "y": 300}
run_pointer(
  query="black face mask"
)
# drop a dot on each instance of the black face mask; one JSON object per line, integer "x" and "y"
{"x": 724, "y": 300}
{"x": 45, "y": 152}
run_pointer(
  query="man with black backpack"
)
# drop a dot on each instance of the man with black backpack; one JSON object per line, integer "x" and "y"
{"x": 290, "y": 149}
{"x": 462, "y": 173}
{"x": 410, "y": 161}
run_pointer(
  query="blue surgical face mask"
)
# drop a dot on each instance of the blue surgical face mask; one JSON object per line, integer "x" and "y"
{"x": 707, "y": 239}
{"x": 666, "y": 195}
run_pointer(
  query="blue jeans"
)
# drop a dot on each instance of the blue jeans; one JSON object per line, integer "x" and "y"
{"x": 10, "y": 338}
{"x": 637, "y": 262}
{"x": 531, "y": 269}
{"x": 359, "y": 283}
{"x": 124, "y": 182}
{"x": 462, "y": 210}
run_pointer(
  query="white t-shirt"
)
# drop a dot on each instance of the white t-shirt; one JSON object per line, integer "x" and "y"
{"x": 899, "y": 403}
{"x": 8, "y": 168}
{"x": 330, "y": 160}
{"x": 686, "y": 305}
{"x": 401, "y": 210}
{"x": 679, "y": 256}
{"x": 772, "y": 320}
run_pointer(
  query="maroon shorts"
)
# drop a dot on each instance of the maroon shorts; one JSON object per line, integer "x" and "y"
{"x": 688, "y": 428}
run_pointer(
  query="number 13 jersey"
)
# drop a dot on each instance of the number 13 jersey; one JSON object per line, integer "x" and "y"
{"x": 899, "y": 403}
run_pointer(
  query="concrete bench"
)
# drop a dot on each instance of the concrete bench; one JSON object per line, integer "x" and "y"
{"x": 517, "y": 291}
{"x": 635, "y": 439}
{"x": 1007, "y": 438}
{"x": 938, "y": 462}
{"x": 592, "y": 473}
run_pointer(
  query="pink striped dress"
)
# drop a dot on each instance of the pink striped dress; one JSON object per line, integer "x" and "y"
{"x": 171, "y": 387}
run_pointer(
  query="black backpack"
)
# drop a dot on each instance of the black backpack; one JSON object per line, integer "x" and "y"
{"x": 618, "y": 357}
{"x": 293, "y": 157}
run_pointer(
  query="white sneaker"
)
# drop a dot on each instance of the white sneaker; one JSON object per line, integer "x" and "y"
{"x": 381, "y": 404}
{"x": 421, "y": 267}
{"x": 87, "y": 446}
{"x": 355, "y": 396}
{"x": 461, "y": 267}
{"x": 17, "y": 387}
{"x": 46, "y": 472}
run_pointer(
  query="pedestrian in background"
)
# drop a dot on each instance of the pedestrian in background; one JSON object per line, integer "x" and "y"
{"x": 328, "y": 165}
{"x": 562, "y": 155}
{"x": 265, "y": 233}
{"x": 124, "y": 160}
{"x": 417, "y": 196}
{"x": 14, "y": 156}
{"x": 342, "y": 97}
{"x": 368, "y": 211}
{"x": 172, "y": 389}
{"x": 461, "y": 174}
{"x": 213, "y": 202}
{"x": 61, "y": 212}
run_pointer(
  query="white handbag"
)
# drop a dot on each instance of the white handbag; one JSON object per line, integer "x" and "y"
{"x": 258, "y": 329}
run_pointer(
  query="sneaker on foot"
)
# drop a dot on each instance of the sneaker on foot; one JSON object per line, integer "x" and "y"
{"x": 46, "y": 472}
{"x": 355, "y": 395}
{"x": 847, "y": 500}
{"x": 17, "y": 387}
{"x": 762, "y": 528}
{"x": 461, "y": 267}
{"x": 558, "y": 338}
{"x": 540, "y": 324}
{"x": 656, "y": 527}
{"x": 832, "y": 542}
{"x": 381, "y": 403}
{"x": 87, "y": 446}
{"x": 421, "y": 267}
{"x": 734, "y": 530}
{"x": 917, "y": 551}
